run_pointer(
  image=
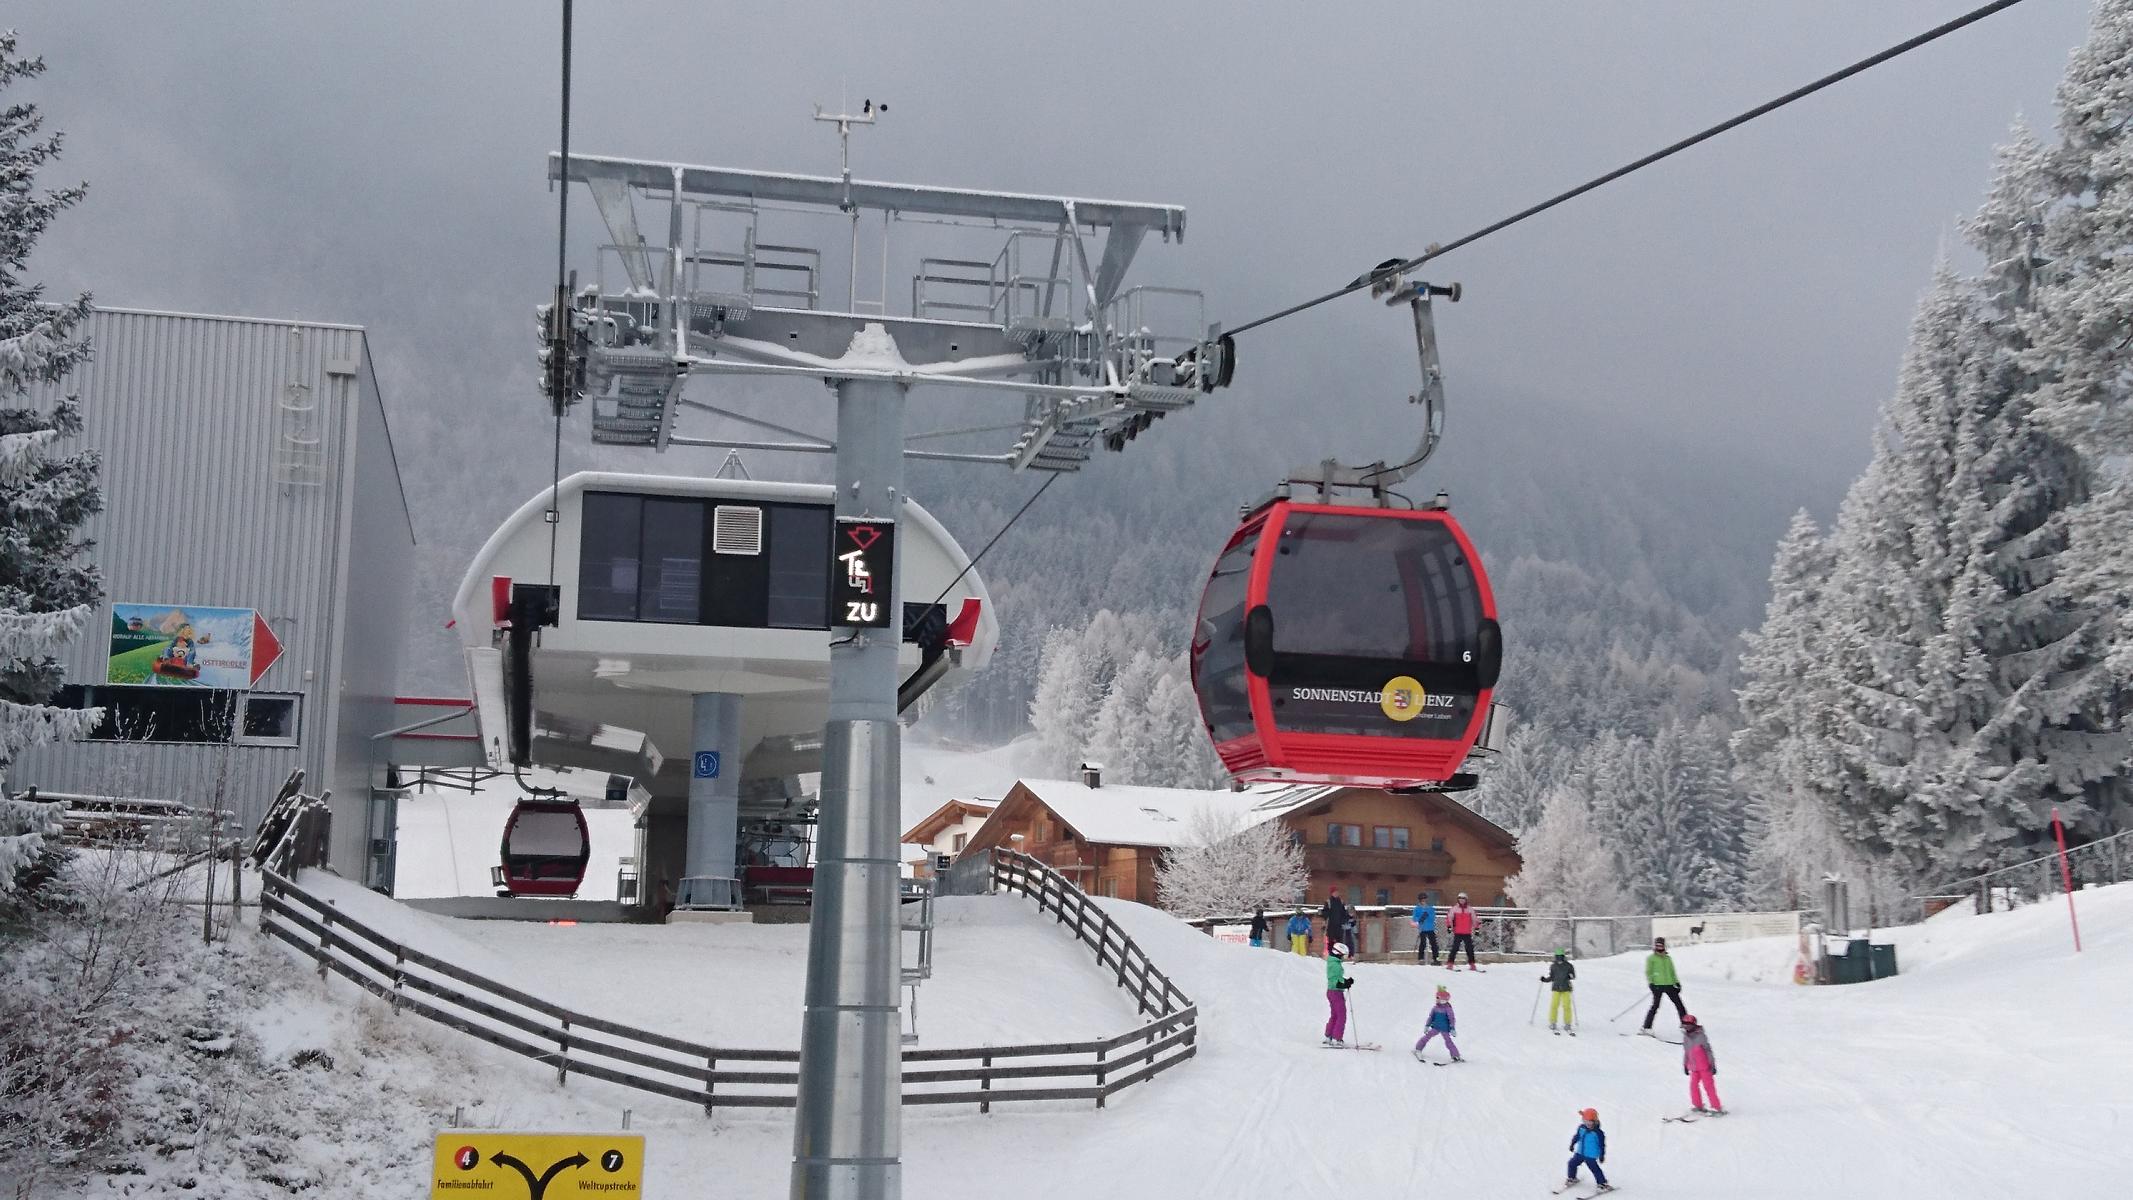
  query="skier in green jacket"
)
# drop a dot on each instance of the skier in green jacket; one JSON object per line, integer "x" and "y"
{"x": 1337, "y": 984}
{"x": 1659, "y": 973}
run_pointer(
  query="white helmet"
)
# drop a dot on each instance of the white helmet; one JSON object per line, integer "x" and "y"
{"x": 1340, "y": 949}
{"x": 1462, "y": 895}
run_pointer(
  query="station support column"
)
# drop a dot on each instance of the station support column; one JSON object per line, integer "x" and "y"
{"x": 714, "y": 803}
{"x": 847, "y": 1136}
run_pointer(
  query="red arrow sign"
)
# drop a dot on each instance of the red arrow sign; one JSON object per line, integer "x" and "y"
{"x": 863, "y": 536}
{"x": 266, "y": 648}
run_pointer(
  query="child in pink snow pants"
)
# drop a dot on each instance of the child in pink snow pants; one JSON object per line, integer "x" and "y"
{"x": 1698, "y": 1063}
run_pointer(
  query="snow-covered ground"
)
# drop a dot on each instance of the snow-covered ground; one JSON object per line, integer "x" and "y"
{"x": 1994, "y": 1066}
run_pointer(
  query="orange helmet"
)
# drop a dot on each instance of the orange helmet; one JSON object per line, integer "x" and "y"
{"x": 1590, "y": 1114}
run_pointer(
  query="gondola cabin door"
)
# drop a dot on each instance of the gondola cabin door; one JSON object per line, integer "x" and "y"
{"x": 1348, "y": 645}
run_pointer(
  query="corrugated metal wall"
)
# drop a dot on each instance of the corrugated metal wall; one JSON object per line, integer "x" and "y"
{"x": 188, "y": 413}
{"x": 379, "y": 538}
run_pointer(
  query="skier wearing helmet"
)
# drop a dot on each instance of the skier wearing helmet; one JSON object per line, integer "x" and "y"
{"x": 1701, "y": 1066}
{"x": 1560, "y": 973}
{"x": 1337, "y": 985}
{"x": 1665, "y": 985}
{"x": 1588, "y": 1148}
{"x": 1462, "y": 935}
{"x": 1442, "y": 1023}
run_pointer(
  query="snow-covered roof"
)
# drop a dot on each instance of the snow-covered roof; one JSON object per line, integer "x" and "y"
{"x": 1123, "y": 815}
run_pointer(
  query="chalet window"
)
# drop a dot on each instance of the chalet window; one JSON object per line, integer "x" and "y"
{"x": 1389, "y": 837}
{"x": 1355, "y": 890}
{"x": 1384, "y": 895}
{"x": 1436, "y": 844}
{"x": 1340, "y": 834}
{"x": 959, "y": 840}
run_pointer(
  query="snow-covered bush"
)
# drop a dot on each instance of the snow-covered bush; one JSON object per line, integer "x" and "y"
{"x": 1227, "y": 867}
{"x": 1565, "y": 869}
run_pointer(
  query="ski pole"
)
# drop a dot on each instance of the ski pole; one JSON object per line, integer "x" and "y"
{"x": 1625, "y": 1012}
{"x": 1355, "y": 1027}
{"x": 1535, "y": 1012}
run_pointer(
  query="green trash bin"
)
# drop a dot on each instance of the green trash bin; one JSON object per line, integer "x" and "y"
{"x": 1851, "y": 965}
{"x": 1882, "y": 959}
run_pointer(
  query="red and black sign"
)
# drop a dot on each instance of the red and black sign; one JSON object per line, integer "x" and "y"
{"x": 862, "y": 571}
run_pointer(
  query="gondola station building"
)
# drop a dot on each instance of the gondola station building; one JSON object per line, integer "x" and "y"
{"x": 256, "y": 553}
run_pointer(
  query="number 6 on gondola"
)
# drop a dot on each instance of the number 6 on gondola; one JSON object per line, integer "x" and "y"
{"x": 1350, "y": 645}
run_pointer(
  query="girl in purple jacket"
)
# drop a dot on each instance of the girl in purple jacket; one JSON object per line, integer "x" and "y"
{"x": 1441, "y": 1021}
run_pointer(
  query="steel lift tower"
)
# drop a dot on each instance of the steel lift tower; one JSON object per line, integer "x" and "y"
{"x": 1043, "y": 321}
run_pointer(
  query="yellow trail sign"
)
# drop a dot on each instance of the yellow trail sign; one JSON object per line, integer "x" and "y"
{"x": 478, "y": 1164}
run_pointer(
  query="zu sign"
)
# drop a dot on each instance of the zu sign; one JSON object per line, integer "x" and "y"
{"x": 862, "y": 572}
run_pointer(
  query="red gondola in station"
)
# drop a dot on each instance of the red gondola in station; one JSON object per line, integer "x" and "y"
{"x": 1351, "y": 643}
{"x": 545, "y": 848}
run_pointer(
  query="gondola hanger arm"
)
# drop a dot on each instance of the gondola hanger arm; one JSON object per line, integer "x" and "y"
{"x": 1389, "y": 282}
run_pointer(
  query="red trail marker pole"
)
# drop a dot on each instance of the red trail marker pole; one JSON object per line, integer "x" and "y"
{"x": 2066, "y": 876}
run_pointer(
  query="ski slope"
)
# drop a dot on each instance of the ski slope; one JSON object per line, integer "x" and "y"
{"x": 1994, "y": 1066}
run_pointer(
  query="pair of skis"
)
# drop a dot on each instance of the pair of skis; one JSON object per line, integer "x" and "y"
{"x": 1693, "y": 1116}
{"x": 1560, "y": 1188}
{"x": 1351, "y": 1046}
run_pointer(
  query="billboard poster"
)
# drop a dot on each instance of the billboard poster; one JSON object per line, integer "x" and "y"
{"x": 174, "y": 645}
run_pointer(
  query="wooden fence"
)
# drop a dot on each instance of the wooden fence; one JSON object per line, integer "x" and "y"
{"x": 575, "y": 1043}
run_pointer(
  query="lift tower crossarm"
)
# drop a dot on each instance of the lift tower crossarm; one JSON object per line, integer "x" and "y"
{"x": 829, "y": 192}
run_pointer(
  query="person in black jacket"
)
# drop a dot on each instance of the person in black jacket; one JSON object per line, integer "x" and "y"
{"x": 1259, "y": 926}
{"x": 1336, "y": 918}
{"x": 1560, "y": 1005}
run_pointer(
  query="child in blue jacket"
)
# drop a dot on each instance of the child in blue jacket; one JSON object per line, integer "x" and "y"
{"x": 1588, "y": 1147}
{"x": 1299, "y": 931}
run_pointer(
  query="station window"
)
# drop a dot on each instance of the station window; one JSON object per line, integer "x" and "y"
{"x": 198, "y": 716}
{"x": 270, "y": 719}
{"x": 799, "y": 567}
{"x": 665, "y": 559}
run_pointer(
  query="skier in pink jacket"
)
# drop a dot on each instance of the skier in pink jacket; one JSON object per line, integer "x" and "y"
{"x": 1698, "y": 1063}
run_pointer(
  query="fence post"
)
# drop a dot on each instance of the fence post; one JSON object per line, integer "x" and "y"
{"x": 562, "y": 1062}
{"x": 710, "y": 1084}
{"x": 1099, "y": 1077}
{"x": 399, "y": 972}
{"x": 985, "y": 1085}
{"x": 325, "y": 935}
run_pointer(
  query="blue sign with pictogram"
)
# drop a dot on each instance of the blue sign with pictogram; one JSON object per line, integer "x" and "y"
{"x": 707, "y": 764}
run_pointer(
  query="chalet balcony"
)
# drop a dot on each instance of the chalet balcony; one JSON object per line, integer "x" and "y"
{"x": 1321, "y": 859}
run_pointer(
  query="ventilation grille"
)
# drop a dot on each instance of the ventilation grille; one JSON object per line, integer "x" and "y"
{"x": 736, "y": 530}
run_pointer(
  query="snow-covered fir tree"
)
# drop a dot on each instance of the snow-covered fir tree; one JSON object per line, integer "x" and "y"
{"x": 1782, "y": 752}
{"x": 1969, "y": 656}
{"x": 1518, "y": 779}
{"x": 1228, "y": 867}
{"x": 45, "y": 590}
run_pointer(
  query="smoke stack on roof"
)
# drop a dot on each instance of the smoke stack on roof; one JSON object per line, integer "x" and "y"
{"x": 1092, "y": 775}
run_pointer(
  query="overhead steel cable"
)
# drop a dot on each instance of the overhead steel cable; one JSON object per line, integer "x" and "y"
{"x": 973, "y": 563}
{"x": 1437, "y": 251}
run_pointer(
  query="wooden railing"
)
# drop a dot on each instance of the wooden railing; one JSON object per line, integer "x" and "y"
{"x": 575, "y": 1043}
{"x": 1150, "y": 988}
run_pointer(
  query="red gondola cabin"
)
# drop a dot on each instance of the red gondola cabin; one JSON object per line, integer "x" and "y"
{"x": 545, "y": 848}
{"x": 1346, "y": 645}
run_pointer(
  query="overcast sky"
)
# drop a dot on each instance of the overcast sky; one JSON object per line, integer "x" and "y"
{"x": 381, "y": 163}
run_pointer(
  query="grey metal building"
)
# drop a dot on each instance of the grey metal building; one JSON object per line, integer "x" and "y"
{"x": 257, "y": 554}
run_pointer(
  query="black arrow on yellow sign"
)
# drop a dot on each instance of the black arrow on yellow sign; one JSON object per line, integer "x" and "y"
{"x": 536, "y": 1187}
